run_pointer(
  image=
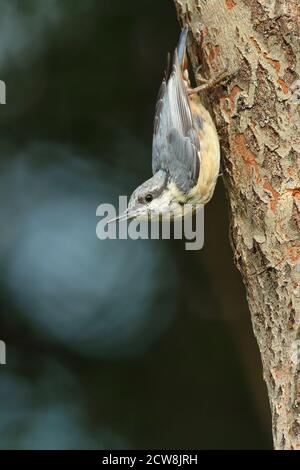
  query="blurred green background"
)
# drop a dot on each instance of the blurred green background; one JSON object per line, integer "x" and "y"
{"x": 110, "y": 344}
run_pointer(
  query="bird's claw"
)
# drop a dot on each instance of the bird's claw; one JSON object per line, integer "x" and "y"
{"x": 209, "y": 83}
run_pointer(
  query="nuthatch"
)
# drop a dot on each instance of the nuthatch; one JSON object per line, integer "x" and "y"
{"x": 185, "y": 152}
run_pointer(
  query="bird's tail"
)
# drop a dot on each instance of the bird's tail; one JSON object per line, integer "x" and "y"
{"x": 181, "y": 47}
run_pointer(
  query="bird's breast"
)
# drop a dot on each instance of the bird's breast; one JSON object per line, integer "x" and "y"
{"x": 209, "y": 154}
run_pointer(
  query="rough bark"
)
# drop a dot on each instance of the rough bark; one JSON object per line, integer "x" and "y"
{"x": 257, "y": 113}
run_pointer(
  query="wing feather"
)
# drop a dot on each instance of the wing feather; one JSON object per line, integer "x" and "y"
{"x": 176, "y": 147}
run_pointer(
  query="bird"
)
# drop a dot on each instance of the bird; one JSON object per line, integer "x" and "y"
{"x": 185, "y": 149}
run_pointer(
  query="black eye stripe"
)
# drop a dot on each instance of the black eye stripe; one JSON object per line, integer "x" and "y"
{"x": 154, "y": 190}
{"x": 147, "y": 198}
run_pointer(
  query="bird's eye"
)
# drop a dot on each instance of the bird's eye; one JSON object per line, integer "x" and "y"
{"x": 148, "y": 198}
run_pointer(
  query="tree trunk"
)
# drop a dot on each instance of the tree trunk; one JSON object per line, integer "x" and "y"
{"x": 257, "y": 113}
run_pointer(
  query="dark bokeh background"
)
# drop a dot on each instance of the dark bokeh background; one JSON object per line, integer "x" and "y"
{"x": 110, "y": 344}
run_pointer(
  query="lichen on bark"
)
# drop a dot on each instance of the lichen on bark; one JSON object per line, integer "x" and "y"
{"x": 257, "y": 114}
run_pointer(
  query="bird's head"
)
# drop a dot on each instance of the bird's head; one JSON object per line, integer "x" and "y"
{"x": 155, "y": 198}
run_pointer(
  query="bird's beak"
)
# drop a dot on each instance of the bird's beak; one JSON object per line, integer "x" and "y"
{"x": 127, "y": 215}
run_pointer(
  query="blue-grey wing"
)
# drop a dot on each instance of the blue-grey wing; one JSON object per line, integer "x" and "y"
{"x": 176, "y": 147}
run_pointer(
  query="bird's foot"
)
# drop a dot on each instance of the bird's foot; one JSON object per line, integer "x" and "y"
{"x": 208, "y": 83}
